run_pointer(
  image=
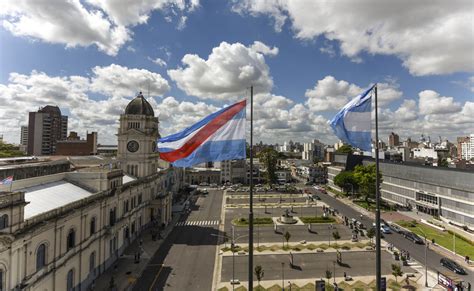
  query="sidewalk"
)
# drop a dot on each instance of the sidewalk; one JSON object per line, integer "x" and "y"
{"x": 125, "y": 271}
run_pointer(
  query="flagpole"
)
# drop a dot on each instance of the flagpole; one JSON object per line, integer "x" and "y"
{"x": 377, "y": 199}
{"x": 250, "y": 285}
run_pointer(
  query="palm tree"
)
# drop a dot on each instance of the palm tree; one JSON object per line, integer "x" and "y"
{"x": 259, "y": 273}
{"x": 287, "y": 237}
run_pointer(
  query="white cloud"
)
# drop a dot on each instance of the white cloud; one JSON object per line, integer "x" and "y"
{"x": 26, "y": 93}
{"x": 103, "y": 23}
{"x": 182, "y": 23}
{"x": 430, "y": 39}
{"x": 118, "y": 81}
{"x": 330, "y": 94}
{"x": 407, "y": 111}
{"x": 260, "y": 47}
{"x": 158, "y": 61}
{"x": 432, "y": 103}
{"x": 227, "y": 73}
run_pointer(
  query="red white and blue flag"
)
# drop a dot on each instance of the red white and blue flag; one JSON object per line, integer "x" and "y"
{"x": 7, "y": 181}
{"x": 218, "y": 137}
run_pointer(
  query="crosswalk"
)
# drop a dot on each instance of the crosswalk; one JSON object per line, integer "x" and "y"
{"x": 198, "y": 223}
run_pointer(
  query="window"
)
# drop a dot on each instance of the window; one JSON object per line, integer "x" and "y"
{"x": 70, "y": 280}
{"x": 1, "y": 281}
{"x": 92, "y": 226}
{"x": 71, "y": 239}
{"x": 4, "y": 221}
{"x": 125, "y": 206}
{"x": 133, "y": 227}
{"x": 112, "y": 216}
{"x": 92, "y": 264}
{"x": 139, "y": 198}
{"x": 41, "y": 257}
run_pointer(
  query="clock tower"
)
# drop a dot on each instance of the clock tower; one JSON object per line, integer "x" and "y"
{"x": 137, "y": 137}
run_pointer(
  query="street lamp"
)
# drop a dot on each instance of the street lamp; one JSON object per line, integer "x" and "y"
{"x": 426, "y": 249}
{"x": 282, "y": 277}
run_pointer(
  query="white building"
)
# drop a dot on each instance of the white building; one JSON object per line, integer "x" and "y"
{"x": 61, "y": 231}
{"x": 467, "y": 148}
{"x": 313, "y": 150}
{"x": 423, "y": 153}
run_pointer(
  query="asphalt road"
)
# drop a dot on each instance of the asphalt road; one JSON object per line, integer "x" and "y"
{"x": 309, "y": 265}
{"x": 416, "y": 251}
{"x": 185, "y": 261}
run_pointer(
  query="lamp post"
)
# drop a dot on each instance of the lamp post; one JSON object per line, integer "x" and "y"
{"x": 282, "y": 277}
{"x": 329, "y": 233}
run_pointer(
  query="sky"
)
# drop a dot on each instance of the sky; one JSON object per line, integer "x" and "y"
{"x": 305, "y": 60}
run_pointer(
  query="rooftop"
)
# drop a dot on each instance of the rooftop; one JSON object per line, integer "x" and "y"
{"x": 48, "y": 196}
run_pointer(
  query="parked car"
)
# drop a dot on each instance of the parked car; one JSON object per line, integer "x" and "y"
{"x": 204, "y": 184}
{"x": 316, "y": 197}
{"x": 414, "y": 238}
{"x": 395, "y": 228}
{"x": 385, "y": 229}
{"x": 453, "y": 266}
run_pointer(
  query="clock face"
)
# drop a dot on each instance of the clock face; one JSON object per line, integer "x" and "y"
{"x": 132, "y": 146}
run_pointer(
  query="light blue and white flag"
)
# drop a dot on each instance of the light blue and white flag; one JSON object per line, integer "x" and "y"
{"x": 353, "y": 123}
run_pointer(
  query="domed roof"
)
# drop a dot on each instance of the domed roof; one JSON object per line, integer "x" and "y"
{"x": 139, "y": 106}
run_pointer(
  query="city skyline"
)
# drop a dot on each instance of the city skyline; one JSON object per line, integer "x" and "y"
{"x": 303, "y": 71}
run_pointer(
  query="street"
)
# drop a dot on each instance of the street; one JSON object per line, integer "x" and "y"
{"x": 185, "y": 261}
{"x": 416, "y": 251}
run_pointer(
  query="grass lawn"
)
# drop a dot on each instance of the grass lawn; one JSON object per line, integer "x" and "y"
{"x": 363, "y": 204}
{"x": 259, "y": 220}
{"x": 317, "y": 219}
{"x": 464, "y": 247}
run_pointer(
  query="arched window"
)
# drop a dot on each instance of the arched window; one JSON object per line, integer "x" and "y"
{"x": 92, "y": 264}
{"x": 70, "y": 280}
{"x": 71, "y": 239}
{"x": 41, "y": 257}
{"x": 2, "y": 280}
{"x": 92, "y": 226}
{"x": 4, "y": 221}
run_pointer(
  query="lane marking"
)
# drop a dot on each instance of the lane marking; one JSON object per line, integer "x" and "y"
{"x": 156, "y": 278}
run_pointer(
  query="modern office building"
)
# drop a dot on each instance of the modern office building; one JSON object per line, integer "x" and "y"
{"x": 45, "y": 128}
{"x": 24, "y": 135}
{"x": 443, "y": 192}
{"x": 467, "y": 148}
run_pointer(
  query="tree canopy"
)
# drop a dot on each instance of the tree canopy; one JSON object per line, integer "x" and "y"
{"x": 344, "y": 149}
{"x": 344, "y": 180}
{"x": 9, "y": 150}
{"x": 269, "y": 158}
{"x": 365, "y": 177}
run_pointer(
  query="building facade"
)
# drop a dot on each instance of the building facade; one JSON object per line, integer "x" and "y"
{"x": 137, "y": 136}
{"x": 74, "y": 146}
{"x": 442, "y": 192}
{"x": 61, "y": 231}
{"x": 393, "y": 140}
{"x": 45, "y": 128}
{"x": 467, "y": 148}
{"x": 313, "y": 151}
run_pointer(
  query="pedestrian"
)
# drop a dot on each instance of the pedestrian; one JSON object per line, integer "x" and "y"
{"x": 345, "y": 275}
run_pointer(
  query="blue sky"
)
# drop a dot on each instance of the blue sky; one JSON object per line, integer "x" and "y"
{"x": 307, "y": 62}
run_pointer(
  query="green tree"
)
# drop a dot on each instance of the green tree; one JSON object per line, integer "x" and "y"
{"x": 259, "y": 273}
{"x": 365, "y": 177}
{"x": 269, "y": 158}
{"x": 344, "y": 149}
{"x": 396, "y": 271}
{"x": 371, "y": 234}
{"x": 344, "y": 179}
{"x": 287, "y": 237}
{"x": 328, "y": 275}
{"x": 443, "y": 163}
{"x": 8, "y": 150}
